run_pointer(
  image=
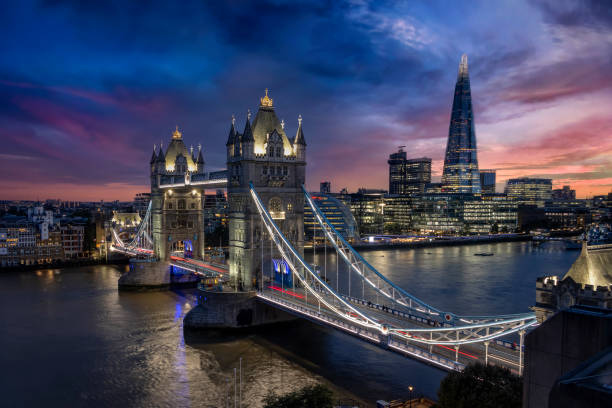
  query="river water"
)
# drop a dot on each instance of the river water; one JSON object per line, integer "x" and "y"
{"x": 69, "y": 338}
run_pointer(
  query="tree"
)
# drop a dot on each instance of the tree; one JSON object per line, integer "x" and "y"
{"x": 314, "y": 396}
{"x": 480, "y": 386}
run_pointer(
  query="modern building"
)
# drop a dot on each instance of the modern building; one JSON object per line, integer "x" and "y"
{"x": 563, "y": 194}
{"x": 141, "y": 203}
{"x": 397, "y": 214}
{"x": 530, "y": 191}
{"x": 460, "y": 173}
{"x": 338, "y": 214}
{"x": 325, "y": 187}
{"x": 438, "y": 214}
{"x": 408, "y": 176}
{"x": 215, "y": 211}
{"x": 487, "y": 181}
{"x": 367, "y": 206}
{"x": 491, "y": 213}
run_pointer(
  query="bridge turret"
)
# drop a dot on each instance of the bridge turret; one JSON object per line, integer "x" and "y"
{"x": 248, "y": 142}
{"x": 299, "y": 143}
{"x": 230, "y": 138}
{"x": 200, "y": 161}
{"x": 268, "y": 160}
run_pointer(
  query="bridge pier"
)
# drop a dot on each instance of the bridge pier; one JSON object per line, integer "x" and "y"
{"x": 146, "y": 274}
{"x": 232, "y": 310}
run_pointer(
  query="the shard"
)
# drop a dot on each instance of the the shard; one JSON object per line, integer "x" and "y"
{"x": 460, "y": 174}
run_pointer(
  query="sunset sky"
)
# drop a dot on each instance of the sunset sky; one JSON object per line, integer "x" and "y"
{"x": 87, "y": 89}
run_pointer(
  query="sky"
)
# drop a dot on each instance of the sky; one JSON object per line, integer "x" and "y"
{"x": 87, "y": 88}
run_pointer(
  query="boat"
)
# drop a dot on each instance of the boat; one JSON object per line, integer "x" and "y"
{"x": 484, "y": 254}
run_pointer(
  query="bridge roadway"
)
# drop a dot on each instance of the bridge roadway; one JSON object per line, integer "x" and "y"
{"x": 296, "y": 301}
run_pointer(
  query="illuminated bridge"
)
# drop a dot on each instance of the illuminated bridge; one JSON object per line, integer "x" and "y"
{"x": 375, "y": 310}
{"x": 264, "y": 181}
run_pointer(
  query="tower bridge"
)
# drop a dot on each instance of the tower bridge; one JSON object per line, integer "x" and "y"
{"x": 267, "y": 278}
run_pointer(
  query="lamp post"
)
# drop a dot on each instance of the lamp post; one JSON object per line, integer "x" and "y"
{"x": 410, "y": 388}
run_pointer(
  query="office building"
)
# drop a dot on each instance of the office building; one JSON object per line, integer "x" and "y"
{"x": 408, "y": 176}
{"x": 325, "y": 187}
{"x": 530, "y": 191}
{"x": 460, "y": 173}
{"x": 563, "y": 194}
{"x": 336, "y": 212}
{"x": 487, "y": 181}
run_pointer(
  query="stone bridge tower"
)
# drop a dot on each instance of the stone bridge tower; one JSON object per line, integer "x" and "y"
{"x": 275, "y": 164}
{"x": 176, "y": 204}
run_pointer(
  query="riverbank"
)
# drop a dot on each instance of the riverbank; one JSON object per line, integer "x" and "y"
{"x": 72, "y": 263}
{"x": 451, "y": 241}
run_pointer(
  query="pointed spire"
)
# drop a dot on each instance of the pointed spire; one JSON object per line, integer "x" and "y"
{"x": 160, "y": 156}
{"x": 247, "y": 135}
{"x": 200, "y": 161}
{"x": 283, "y": 124}
{"x": 154, "y": 156}
{"x": 299, "y": 136}
{"x": 463, "y": 66}
{"x": 232, "y": 133}
{"x": 177, "y": 133}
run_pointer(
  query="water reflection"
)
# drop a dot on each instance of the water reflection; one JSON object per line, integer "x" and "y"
{"x": 79, "y": 342}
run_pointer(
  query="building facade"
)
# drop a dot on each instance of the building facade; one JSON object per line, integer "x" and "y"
{"x": 487, "y": 181}
{"x": 588, "y": 282}
{"x": 265, "y": 156}
{"x": 563, "y": 194}
{"x": 408, "y": 176}
{"x": 460, "y": 173}
{"x": 530, "y": 191}
{"x": 176, "y": 205}
{"x": 336, "y": 212}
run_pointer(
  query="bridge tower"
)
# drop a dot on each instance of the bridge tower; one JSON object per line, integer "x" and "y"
{"x": 176, "y": 204}
{"x": 264, "y": 155}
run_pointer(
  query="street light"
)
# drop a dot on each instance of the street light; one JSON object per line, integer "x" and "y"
{"x": 410, "y": 388}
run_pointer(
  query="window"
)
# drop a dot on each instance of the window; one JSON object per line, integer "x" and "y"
{"x": 285, "y": 170}
{"x": 170, "y": 205}
{"x": 181, "y": 204}
{"x": 193, "y": 206}
{"x": 265, "y": 170}
{"x": 276, "y": 205}
{"x": 289, "y": 207}
{"x": 278, "y": 152}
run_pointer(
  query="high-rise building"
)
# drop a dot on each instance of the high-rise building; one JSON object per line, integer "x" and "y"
{"x": 408, "y": 176}
{"x": 532, "y": 191}
{"x": 563, "y": 194}
{"x": 460, "y": 174}
{"x": 487, "y": 181}
{"x": 325, "y": 187}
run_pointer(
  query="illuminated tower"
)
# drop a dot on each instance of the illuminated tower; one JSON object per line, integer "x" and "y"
{"x": 176, "y": 204}
{"x": 460, "y": 174}
{"x": 265, "y": 156}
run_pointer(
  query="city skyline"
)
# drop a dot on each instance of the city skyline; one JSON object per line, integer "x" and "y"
{"x": 81, "y": 109}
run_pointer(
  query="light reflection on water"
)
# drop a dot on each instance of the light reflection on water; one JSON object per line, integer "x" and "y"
{"x": 69, "y": 338}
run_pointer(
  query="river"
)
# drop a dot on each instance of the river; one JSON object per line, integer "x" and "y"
{"x": 69, "y": 338}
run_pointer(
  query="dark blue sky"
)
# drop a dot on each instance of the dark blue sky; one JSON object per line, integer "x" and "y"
{"x": 87, "y": 88}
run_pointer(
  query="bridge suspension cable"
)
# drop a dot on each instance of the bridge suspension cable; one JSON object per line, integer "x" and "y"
{"x": 463, "y": 331}
{"x": 382, "y": 285}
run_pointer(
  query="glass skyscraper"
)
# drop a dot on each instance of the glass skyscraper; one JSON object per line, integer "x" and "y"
{"x": 460, "y": 174}
{"x": 408, "y": 176}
